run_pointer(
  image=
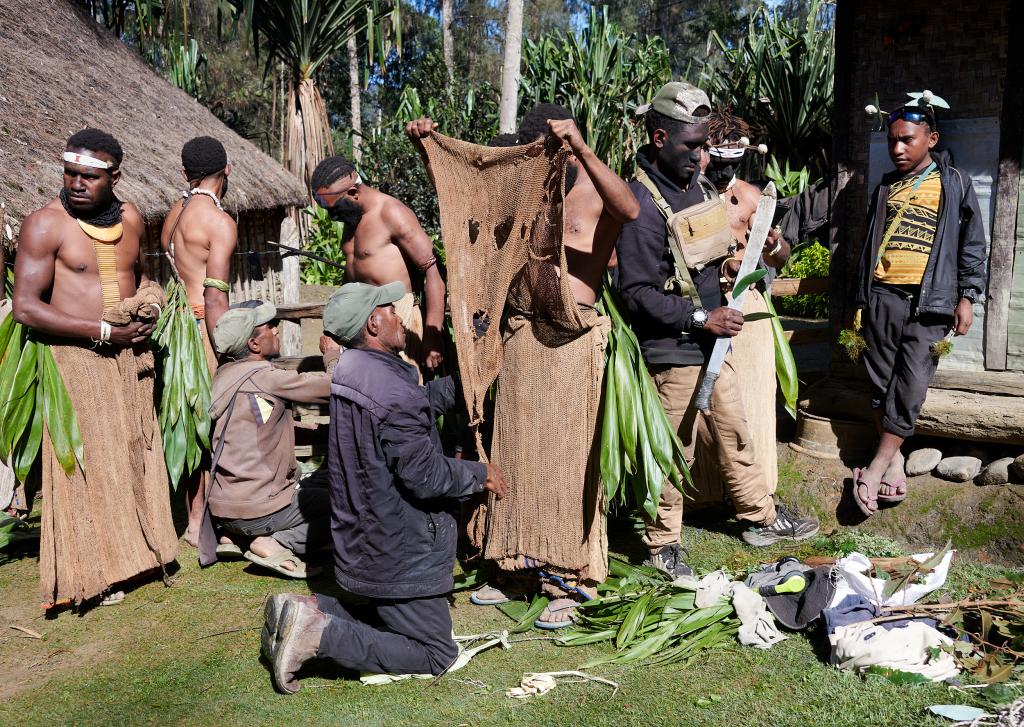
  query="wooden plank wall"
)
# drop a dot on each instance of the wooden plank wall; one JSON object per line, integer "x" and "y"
{"x": 1015, "y": 323}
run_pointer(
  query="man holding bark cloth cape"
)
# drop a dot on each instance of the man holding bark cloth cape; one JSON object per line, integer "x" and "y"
{"x": 675, "y": 302}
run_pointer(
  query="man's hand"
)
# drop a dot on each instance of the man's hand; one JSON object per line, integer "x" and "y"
{"x": 496, "y": 481}
{"x": 432, "y": 348}
{"x": 963, "y": 317}
{"x": 724, "y": 321}
{"x": 565, "y": 129}
{"x": 420, "y": 128}
{"x": 329, "y": 346}
{"x": 129, "y": 335}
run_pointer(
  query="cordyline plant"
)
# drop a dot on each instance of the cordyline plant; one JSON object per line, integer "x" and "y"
{"x": 32, "y": 394}
{"x": 649, "y": 620}
{"x": 184, "y": 413}
{"x": 601, "y": 75}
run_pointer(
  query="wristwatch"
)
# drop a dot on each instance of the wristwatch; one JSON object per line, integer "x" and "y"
{"x": 970, "y": 293}
{"x": 698, "y": 318}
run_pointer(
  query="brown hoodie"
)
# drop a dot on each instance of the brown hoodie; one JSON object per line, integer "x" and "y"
{"x": 257, "y": 470}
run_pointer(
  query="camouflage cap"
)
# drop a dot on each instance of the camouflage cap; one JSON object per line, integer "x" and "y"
{"x": 679, "y": 100}
{"x": 235, "y": 327}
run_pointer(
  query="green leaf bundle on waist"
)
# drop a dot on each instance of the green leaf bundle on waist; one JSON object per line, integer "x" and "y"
{"x": 184, "y": 412}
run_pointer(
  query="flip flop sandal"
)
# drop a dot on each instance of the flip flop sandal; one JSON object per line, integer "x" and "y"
{"x": 488, "y": 596}
{"x": 893, "y": 499}
{"x": 276, "y": 563}
{"x": 857, "y": 471}
{"x": 565, "y": 622}
{"x": 228, "y": 551}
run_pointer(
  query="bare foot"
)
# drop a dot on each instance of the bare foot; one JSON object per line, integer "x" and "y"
{"x": 558, "y": 614}
{"x": 265, "y": 546}
{"x": 112, "y": 599}
{"x": 894, "y": 482}
{"x": 192, "y": 537}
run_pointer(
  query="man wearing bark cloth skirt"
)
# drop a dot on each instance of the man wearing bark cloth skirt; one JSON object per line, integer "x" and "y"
{"x": 200, "y": 243}
{"x": 554, "y": 481}
{"x": 79, "y": 286}
{"x": 728, "y": 142}
{"x": 677, "y": 311}
{"x": 921, "y": 270}
{"x": 383, "y": 242}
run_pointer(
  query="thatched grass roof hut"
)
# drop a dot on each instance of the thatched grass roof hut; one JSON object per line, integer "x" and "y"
{"x": 60, "y": 71}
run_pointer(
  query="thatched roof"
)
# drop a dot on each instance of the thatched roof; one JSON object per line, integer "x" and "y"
{"x": 60, "y": 71}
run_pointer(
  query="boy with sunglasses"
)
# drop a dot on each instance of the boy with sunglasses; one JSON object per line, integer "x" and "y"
{"x": 921, "y": 270}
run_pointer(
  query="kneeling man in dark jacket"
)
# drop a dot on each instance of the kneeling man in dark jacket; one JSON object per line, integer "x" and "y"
{"x": 393, "y": 505}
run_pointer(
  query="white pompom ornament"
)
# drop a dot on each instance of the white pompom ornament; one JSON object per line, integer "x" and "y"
{"x": 871, "y": 109}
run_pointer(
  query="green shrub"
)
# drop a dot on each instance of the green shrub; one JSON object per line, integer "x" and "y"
{"x": 808, "y": 262}
{"x": 324, "y": 239}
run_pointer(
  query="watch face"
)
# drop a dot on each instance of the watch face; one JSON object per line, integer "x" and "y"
{"x": 700, "y": 316}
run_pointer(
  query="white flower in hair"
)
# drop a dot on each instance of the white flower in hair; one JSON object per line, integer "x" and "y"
{"x": 871, "y": 109}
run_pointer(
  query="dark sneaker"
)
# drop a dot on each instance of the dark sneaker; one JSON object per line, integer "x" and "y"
{"x": 670, "y": 560}
{"x": 787, "y": 526}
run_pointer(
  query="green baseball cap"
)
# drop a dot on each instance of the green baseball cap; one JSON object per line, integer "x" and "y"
{"x": 350, "y": 305}
{"x": 679, "y": 100}
{"x": 235, "y": 327}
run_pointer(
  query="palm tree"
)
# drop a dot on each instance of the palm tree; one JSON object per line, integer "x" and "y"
{"x": 302, "y": 35}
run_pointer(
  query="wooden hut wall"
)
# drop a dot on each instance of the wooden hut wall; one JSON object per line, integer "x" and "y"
{"x": 255, "y": 267}
{"x": 890, "y": 49}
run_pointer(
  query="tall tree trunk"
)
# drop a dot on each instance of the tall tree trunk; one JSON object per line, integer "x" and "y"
{"x": 446, "y": 39}
{"x": 354, "y": 90}
{"x": 511, "y": 59}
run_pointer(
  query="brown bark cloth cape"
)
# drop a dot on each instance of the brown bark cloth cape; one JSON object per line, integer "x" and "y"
{"x": 516, "y": 321}
{"x": 112, "y": 522}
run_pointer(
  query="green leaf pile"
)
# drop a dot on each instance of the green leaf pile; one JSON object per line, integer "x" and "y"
{"x": 184, "y": 414}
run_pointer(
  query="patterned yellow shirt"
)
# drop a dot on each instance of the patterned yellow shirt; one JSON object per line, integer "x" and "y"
{"x": 911, "y": 220}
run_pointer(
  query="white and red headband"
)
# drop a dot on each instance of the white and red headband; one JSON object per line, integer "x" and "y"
{"x": 86, "y": 161}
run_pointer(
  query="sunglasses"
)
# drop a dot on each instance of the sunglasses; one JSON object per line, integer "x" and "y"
{"x": 912, "y": 115}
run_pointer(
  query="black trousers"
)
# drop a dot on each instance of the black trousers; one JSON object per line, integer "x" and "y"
{"x": 389, "y": 637}
{"x": 898, "y": 356}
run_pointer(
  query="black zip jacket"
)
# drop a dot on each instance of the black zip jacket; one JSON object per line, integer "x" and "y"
{"x": 957, "y": 260}
{"x": 392, "y": 489}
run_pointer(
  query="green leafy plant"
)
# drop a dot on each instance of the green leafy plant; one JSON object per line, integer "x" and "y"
{"x": 649, "y": 620}
{"x": 323, "y": 238}
{"x": 779, "y": 77}
{"x": 785, "y": 363}
{"x": 601, "y": 75}
{"x": 639, "y": 447}
{"x": 186, "y": 68}
{"x": 810, "y": 261}
{"x": 788, "y": 182}
{"x": 184, "y": 414}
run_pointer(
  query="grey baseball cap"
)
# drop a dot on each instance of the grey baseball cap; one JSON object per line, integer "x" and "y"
{"x": 235, "y": 327}
{"x": 679, "y": 100}
{"x": 350, "y": 305}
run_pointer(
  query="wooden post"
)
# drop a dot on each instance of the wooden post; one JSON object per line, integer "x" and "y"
{"x": 355, "y": 108}
{"x": 291, "y": 333}
{"x": 510, "y": 71}
{"x": 447, "y": 43}
{"x": 1000, "y": 265}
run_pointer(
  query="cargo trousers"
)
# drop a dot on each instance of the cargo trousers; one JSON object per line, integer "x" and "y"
{"x": 722, "y": 431}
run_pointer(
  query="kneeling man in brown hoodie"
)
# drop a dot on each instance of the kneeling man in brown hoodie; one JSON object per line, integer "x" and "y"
{"x": 255, "y": 492}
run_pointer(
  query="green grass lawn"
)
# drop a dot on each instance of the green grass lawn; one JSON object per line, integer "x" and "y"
{"x": 189, "y": 654}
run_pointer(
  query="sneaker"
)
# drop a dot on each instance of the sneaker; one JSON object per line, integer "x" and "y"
{"x": 787, "y": 526}
{"x": 670, "y": 560}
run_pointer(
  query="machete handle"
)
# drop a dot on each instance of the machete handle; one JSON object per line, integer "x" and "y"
{"x": 703, "y": 399}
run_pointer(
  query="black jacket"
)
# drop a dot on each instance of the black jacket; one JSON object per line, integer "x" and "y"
{"x": 392, "y": 489}
{"x": 660, "y": 317}
{"x": 957, "y": 260}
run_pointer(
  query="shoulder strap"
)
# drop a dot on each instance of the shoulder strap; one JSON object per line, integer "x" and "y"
{"x": 682, "y": 278}
{"x": 227, "y": 417}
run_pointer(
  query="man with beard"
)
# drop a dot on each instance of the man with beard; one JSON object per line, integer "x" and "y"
{"x": 199, "y": 244}
{"x": 556, "y": 531}
{"x": 677, "y": 313}
{"x": 384, "y": 243}
{"x": 79, "y": 287}
{"x": 728, "y": 141}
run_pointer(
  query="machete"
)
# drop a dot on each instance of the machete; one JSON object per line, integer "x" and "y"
{"x": 296, "y": 251}
{"x": 755, "y": 244}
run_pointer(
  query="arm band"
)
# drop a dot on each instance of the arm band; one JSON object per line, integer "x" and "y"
{"x": 425, "y": 266}
{"x": 218, "y": 284}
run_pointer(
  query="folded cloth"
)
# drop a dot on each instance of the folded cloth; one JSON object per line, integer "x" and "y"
{"x": 855, "y": 609}
{"x": 863, "y": 645}
{"x": 139, "y": 306}
{"x": 853, "y": 571}
{"x": 757, "y": 627}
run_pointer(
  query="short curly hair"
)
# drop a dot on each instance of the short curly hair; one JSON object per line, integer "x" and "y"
{"x": 535, "y": 122}
{"x": 90, "y": 139}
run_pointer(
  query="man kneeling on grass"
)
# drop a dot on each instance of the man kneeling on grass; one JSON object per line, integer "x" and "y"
{"x": 255, "y": 494}
{"x": 393, "y": 515}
